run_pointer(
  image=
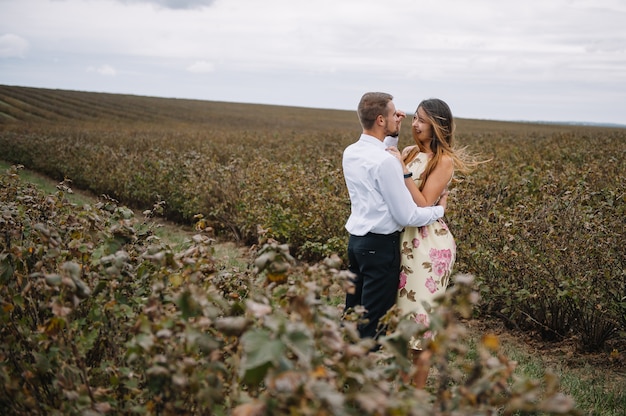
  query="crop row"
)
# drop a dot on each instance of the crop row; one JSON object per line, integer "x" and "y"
{"x": 541, "y": 225}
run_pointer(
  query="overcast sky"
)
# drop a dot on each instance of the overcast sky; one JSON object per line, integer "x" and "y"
{"x": 548, "y": 60}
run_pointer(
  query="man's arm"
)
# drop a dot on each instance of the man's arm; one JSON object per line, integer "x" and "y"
{"x": 399, "y": 200}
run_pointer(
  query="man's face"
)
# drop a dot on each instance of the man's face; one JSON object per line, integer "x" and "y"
{"x": 392, "y": 121}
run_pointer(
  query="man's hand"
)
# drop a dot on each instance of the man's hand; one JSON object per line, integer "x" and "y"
{"x": 401, "y": 115}
{"x": 443, "y": 199}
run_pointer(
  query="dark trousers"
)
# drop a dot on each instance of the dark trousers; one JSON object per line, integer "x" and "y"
{"x": 375, "y": 260}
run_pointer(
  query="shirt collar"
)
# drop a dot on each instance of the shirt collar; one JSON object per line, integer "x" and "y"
{"x": 372, "y": 140}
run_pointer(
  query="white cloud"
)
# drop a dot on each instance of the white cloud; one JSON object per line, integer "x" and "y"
{"x": 13, "y": 46}
{"x": 329, "y": 51}
{"x": 106, "y": 70}
{"x": 174, "y": 4}
{"x": 201, "y": 67}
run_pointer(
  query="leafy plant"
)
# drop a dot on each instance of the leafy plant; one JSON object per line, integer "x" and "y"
{"x": 99, "y": 316}
{"x": 541, "y": 225}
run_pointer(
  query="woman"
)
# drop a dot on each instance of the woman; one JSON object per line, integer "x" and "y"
{"x": 428, "y": 253}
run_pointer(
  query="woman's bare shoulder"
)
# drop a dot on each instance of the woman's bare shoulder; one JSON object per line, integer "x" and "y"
{"x": 446, "y": 165}
{"x": 447, "y": 160}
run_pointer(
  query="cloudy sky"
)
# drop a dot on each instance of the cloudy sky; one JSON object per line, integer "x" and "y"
{"x": 548, "y": 60}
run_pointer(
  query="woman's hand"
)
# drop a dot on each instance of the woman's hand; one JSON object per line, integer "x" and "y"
{"x": 394, "y": 151}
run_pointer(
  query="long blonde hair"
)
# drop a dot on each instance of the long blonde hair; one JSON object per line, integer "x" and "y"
{"x": 440, "y": 117}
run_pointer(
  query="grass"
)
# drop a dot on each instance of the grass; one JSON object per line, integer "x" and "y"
{"x": 228, "y": 255}
{"x": 597, "y": 390}
{"x": 47, "y": 185}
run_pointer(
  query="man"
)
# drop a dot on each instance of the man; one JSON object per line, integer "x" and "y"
{"x": 381, "y": 206}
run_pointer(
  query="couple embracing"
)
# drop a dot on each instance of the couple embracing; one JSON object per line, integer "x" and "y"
{"x": 400, "y": 249}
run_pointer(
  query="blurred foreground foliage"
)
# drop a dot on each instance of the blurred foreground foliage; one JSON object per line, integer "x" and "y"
{"x": 99, "y": 316}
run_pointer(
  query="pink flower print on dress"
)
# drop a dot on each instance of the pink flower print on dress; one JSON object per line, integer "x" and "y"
{"x": 416, "y": 242}
{"x": 422, "y": 318}
{"x": 403, "y": 278}
{"x": 440, "y": 260}
{"x": 431, "y": 285}
{"x": 444, "y": 255}
{"x": 424, "y": 232}
{"x": 440, "y": 268}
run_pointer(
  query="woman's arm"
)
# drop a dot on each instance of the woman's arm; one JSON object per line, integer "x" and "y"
{"x": 435, "y": 185}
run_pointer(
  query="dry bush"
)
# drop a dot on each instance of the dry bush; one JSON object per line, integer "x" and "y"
{"x": 101, "y": 317}
{"x": 541, "y": 225}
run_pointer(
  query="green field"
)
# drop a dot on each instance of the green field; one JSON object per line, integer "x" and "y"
{"x": 541, "y": 226}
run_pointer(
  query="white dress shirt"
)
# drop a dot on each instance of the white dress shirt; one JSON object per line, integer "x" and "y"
{"x": 381, "y": 202}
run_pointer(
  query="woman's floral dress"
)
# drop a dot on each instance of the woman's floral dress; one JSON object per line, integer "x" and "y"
{"x": 428, "y": 254}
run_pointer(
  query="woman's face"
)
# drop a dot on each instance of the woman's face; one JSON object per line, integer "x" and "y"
{"x": 422, "y": 129}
